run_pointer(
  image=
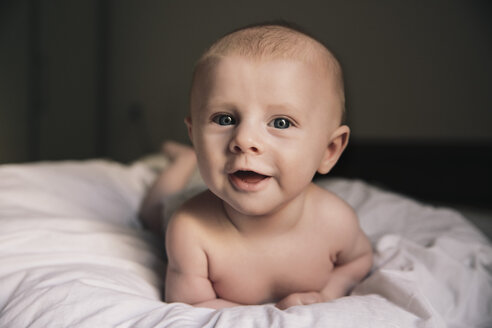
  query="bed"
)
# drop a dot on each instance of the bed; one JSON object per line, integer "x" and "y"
{"x": 73, "y": 254}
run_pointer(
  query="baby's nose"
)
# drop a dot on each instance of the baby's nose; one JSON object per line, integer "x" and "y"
{"x": 246, "y": 140}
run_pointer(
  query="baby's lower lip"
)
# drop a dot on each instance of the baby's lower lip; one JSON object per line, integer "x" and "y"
{"x": 248, "y": 180}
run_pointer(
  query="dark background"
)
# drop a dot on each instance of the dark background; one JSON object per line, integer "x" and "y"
{"x": 88, "y": 79}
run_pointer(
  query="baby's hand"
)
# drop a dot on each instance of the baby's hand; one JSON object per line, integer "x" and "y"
{"x": 299, "y": 299}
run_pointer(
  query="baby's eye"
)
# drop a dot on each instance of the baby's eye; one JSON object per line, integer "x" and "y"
{"x": 281, "y": 123}
{"x": 224, "y": 119}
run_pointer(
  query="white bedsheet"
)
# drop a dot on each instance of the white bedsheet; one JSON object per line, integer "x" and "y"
{"x": 72, "y": 254}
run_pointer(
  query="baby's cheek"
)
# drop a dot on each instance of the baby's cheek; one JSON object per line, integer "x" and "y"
{"x": 206, "y": 173}
{"x": 298, "y": 177}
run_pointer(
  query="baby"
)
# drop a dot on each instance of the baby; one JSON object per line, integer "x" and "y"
{"x": 266, "y": 112}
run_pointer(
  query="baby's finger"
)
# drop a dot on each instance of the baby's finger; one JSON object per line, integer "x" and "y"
{"x": 288, "y": 301}
{"x": 309, "y": 298}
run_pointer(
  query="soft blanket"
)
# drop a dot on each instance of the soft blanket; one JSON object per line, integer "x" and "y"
{"x": 72, "y": 254}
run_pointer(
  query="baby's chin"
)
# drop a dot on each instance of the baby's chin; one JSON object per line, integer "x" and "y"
{"x": 251, "y": 205}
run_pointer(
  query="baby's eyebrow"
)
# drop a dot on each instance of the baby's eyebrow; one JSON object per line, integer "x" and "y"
{"x": 218, "y": 105}
{"x": 285, "y": 108}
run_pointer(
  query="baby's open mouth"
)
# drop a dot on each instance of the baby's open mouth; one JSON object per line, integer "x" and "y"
{"x": 250, "y": 177}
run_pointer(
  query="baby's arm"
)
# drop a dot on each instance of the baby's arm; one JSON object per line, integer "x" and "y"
{"x": 352, "y": 265}
{"x": 354, "y": 261}
{"x": 187, "y": 278}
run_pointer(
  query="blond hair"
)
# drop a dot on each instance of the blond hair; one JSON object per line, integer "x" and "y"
{"x": 274, "y": 41}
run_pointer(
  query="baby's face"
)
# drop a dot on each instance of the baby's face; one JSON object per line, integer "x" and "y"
{"x": 260, "y": 129}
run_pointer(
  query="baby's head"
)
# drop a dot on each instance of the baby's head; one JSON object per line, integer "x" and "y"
{"x": 268, "y": 42}
{"x": 266, "y": 108}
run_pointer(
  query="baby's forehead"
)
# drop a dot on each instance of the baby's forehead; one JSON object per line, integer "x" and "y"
{"x": 293, "y": 71}
{"x": 302, "y": 82}
{"x": 322, "y": 65}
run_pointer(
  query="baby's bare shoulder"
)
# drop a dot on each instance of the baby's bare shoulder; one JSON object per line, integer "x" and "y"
{"x": 333, "y": 215}
{"x": 197, "y": 218}
{"x": 326, "y": 204}
{"x": 341, "y": 224}
{"x": 198, "y": 210}
{"x": 191, "y": 226}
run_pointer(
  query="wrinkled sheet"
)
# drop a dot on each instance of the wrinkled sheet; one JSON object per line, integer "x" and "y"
{"x": 72, "y": 254}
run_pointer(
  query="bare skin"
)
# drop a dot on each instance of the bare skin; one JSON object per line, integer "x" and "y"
{"x": 317, "y": 258}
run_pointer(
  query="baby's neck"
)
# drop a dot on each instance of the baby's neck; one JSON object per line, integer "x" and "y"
{"x": 280, "y": 221}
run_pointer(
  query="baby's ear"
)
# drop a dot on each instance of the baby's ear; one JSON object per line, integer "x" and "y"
{"x": 338, "y": 142}
{"x": 188, "y": 125}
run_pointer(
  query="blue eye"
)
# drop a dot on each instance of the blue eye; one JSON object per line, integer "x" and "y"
{"x": 224, "y": 119}
{"x": 281, "y": 123}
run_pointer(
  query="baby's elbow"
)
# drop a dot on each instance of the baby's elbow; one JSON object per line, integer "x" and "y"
{"x": 366, "y": 256}
{"x": 363, "y": 263}
{"x": 367, "y": 262}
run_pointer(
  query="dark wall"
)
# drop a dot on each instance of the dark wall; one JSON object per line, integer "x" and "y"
{"x": 49, "y": 80}
{"x": 81, "y": 79}
{"x": 413, "y": 71}
{"x": 13, "y": 81}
